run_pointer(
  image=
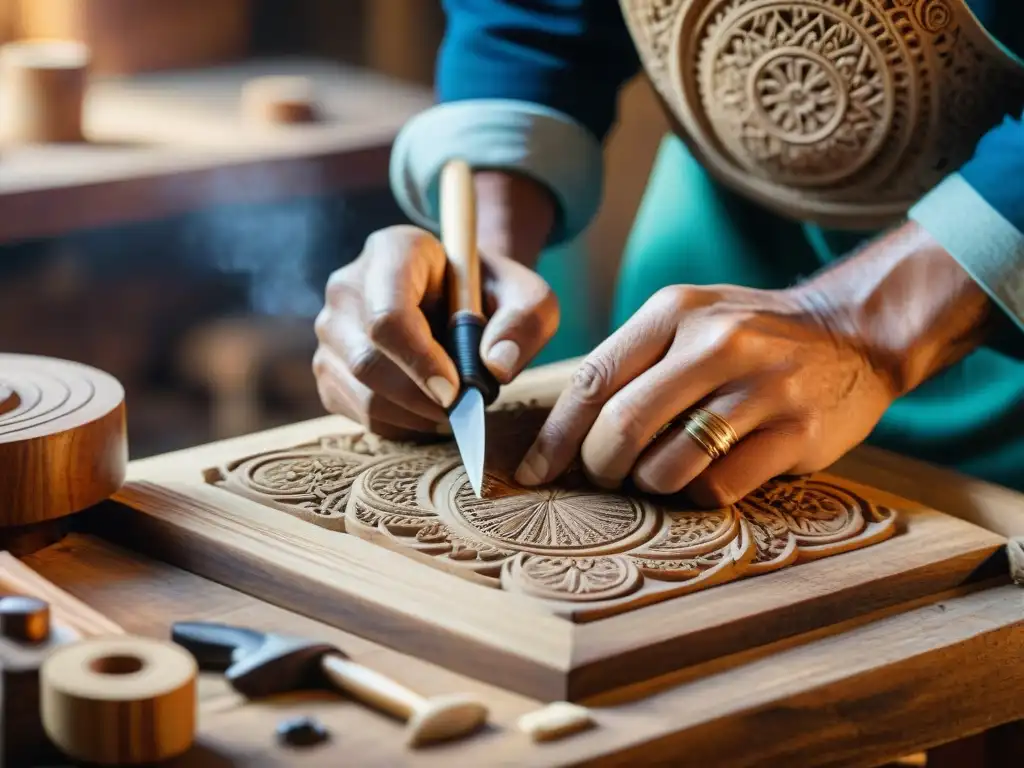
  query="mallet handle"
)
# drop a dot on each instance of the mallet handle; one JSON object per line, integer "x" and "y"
{"x": 370, "y": 687}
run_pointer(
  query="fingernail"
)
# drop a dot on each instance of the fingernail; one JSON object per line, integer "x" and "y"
{"x": 533, "y": 469}
{"x": 504, "y": 355}
{"x": 442, "y": 390}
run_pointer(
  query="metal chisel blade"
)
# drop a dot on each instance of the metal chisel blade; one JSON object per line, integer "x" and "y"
{"x": 467, "y": 420}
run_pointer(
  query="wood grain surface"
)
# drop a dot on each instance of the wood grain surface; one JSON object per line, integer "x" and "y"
{"x": 22, "y": 737}
{"x": 855, "y": 694}
{"x": 503, "y": 637}
{"x": 63, "y": 445}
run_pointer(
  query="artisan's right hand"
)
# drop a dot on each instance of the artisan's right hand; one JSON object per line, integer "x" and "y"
{"x": 378, "y": 362}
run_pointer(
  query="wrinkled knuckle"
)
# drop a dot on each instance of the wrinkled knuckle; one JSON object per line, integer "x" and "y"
{"x": 789, "y": 394}
{"x": 322, "y": 324}
{"x": 592, "y": 381}
{"x": 734, "y": 341}
{"x": 339, "y": 288}
{"x": 807, "y": 431}
{"x": 624, "y": 421}
{"x": 386, "y": 326}
{"x": 673, "y": 298}
{"x": 319, "y": 363}
{"x": 364, "y": 362}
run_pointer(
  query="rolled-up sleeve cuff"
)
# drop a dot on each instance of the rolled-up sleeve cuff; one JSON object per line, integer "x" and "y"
{"x": 538, "y": 142}
{"x": 988, "y": 246}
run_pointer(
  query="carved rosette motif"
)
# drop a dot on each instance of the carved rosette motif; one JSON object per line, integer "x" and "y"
{"x": 568, "y": 543}
{"x": 839, "y": 111}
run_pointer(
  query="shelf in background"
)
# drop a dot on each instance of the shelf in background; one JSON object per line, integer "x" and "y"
{"x": 169, "y": 143}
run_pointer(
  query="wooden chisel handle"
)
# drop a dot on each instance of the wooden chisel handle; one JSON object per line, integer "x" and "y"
{"x": 464, "y": 278}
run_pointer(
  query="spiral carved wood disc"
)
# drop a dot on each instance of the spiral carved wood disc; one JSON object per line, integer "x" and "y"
{"x": 63, "y": 441}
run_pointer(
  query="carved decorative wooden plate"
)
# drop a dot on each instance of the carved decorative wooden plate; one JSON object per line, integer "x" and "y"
{"x": 63, "y": 441}
{"x": 582, "y": 551}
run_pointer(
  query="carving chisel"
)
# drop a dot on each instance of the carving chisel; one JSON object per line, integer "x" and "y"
{"x": 478, "y": 388}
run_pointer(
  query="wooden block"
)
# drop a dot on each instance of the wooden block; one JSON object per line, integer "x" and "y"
{"x": 555, "y": 721}
{"x": 42, "y": 91}
{"x": 558, "y": 593}
{"x": 130, "y": 36}
{"x": 28, "y": 639}
{"x": 63, "y": 439}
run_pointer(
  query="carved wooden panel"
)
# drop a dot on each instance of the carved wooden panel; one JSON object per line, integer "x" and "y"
{"x": 583, "y": 551}
{"x": 842, "y": 112}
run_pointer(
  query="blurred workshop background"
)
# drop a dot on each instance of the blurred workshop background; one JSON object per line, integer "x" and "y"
{"x": 182, "y": 241}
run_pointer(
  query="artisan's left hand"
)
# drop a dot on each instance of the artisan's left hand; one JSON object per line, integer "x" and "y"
{"x": 796, "y": 394}
{"x": 800, "y": 375}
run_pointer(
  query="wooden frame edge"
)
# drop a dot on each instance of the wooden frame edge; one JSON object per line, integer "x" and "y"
{"x": 532, "y": 659}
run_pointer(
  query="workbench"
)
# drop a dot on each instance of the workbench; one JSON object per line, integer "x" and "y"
{"x": 862, "y": 692}
{"x": 166, "y": 143}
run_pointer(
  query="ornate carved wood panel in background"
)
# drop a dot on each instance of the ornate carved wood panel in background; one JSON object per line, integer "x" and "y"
{"x": 842, "y": 112}
{"x": 586, "y": 552}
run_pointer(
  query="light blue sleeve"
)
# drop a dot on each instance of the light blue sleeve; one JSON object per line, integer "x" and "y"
{"x": 542, "y": 143}
{"x": 986, "y": 244}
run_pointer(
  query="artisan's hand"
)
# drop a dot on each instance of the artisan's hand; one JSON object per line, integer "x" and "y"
{"x": 801, "y": 375}
{"x": 378, "y": 360}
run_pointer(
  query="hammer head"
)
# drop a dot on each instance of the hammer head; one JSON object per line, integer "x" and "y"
{"x": 256, "y": 664}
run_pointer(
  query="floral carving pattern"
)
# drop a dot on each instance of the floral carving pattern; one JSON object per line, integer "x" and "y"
{"x": 573, "y": 578}
{"x": 842, "y": 112}
{"x": 570, "y": 543}
{"x": 800, "y": 93}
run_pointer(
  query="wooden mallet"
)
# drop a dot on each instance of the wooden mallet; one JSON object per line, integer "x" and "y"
{"x": 259, "y": 664}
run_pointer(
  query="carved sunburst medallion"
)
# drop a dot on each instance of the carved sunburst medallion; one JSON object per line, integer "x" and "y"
{"x": 569, "y": 518}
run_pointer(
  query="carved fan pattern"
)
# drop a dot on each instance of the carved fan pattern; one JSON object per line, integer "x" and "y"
{"x": 569, "y": 543}
{"x": 839, "y": 111}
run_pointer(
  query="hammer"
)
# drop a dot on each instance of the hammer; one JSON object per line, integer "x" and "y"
{"x": 261, "y": 664}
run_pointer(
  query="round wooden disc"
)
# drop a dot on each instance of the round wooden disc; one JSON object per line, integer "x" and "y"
{"x": 120, "y": 700}
{"x": 63, "y": 440}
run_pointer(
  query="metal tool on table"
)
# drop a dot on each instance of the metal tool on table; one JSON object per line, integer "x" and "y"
{"x": 466, "y": 324}
{"x": 261, "y": 664}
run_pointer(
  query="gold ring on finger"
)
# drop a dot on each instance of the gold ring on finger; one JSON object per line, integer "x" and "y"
{"x": 711, "y": 432}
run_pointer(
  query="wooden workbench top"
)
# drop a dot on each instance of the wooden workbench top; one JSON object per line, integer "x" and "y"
{"x": 857, "y": 693}
{"x": 167, "y": 143}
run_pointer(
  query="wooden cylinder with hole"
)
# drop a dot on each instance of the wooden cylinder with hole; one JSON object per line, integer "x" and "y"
{"x": 279, "y": 100}
{"x": 119, "y": 700}
{"x": 63, "y": 438}
{"x": 42, "y": 91}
